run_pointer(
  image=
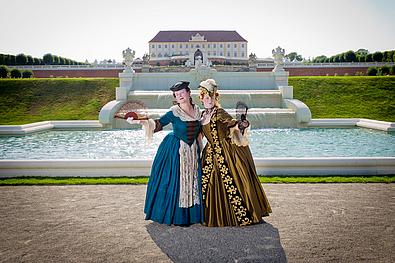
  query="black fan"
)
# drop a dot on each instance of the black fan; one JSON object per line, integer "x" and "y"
{"x": 241, "y": 111}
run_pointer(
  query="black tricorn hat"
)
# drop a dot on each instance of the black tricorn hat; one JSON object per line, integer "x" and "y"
{"x": 180, "y": 85}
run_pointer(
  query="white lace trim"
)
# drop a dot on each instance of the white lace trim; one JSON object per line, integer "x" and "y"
{"x": 148, "y": 127}
{"x": 238, "y": 138}
{"x": 189, "y": 188}
{"x": 178, "y": 112}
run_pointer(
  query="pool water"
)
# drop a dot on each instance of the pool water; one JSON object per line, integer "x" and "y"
{"x": 130, "y": 144}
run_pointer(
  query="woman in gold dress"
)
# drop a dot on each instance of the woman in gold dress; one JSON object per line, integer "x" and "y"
{"x": 231, "y": 191}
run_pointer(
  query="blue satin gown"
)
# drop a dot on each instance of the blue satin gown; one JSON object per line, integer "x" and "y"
{"x": 162, "y": 198}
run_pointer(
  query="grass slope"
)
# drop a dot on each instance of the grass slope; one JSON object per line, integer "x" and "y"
{"x": 30, "y": 100}
{"x": 347, "y": 97}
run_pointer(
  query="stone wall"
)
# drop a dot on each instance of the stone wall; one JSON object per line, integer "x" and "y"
{"x": 113, "y": 73}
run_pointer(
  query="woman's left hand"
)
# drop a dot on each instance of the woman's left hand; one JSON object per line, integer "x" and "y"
{"x": 243, "y": 124}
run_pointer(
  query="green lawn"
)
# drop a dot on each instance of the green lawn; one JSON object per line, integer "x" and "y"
{"x": 144, "y": 180}
{"x": 30, "y": 100}
{"x": 347, "y": 97}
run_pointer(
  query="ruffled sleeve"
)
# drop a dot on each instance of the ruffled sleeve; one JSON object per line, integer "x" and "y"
{"x": 151, "y": 126}
{"x": 234, "y": 133}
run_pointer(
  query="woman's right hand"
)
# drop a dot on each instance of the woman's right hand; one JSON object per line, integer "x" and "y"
{"x": 133, "y": 121}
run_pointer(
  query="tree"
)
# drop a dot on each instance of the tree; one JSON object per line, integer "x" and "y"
{"x": 21, "y": 59}
{"x": 361, "y": 58}
{"x": 56, "y": 60}
{"x": 369, "y": 58}
{"x": 4, "y": 71}
{"x": 350, "y": 56}
{"x": 16, "y": 73}
{"x": 293, "y": 55}
{"x": 36, "y": 61}
{"x": 377, "y": 56}
{"x": 27, "y": 74}
{"x": 48, "y": 59}
{"x": 29, "y": 60}
{"x": 320, "y": 59}
{"x": 362, "y": 52}
{"x": 62, "y": 61}
{"x": 2, "y": 59}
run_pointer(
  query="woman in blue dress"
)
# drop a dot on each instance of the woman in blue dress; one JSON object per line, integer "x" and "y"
{"x": 174, "y": 186}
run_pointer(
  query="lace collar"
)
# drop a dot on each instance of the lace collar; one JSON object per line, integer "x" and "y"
{"x": 178, "y": 112}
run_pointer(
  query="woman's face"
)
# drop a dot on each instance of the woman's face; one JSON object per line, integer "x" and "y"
{"x": 182, "y": 96}
{"x": 208, "y": 101}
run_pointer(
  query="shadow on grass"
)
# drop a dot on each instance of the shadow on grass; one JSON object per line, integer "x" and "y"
{"x": 197, "y": 243}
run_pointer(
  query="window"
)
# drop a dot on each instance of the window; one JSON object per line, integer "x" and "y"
{"x": 159, "y": 55}
{"x": 172, "y": 46}
{"x": 153, "y": 46}
{"x": 235, "y": 45}
{"x": 242, "y": 45}
{"x": 180, "y": 45}
{"x": 191, "y": 45}
{"x": 228, "y": 45}
{"x": 242, "y": 54}
{"x": 220, "y": 46}
{"x": 214, "y": 45}
{"x": 221, "y": 54}
{"x": 208, "y": 53}
{"x": 228, "y": 54}
{"x": 153, "y": 55}
{"x": 215, "y": 53}
{"x": 208, "y": 45}
{"x": 197, "y": 46}
{"x": 186, "y": 45}
{"x": 165, "y": 46}
{"x": 203, "y": 45}
{"x": 235, "y": 54}
{"x": 159, "y": 46}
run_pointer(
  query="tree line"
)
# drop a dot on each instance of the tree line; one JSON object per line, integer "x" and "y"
{"x": 47, "y": 59}
{"x": 361, "y": 55}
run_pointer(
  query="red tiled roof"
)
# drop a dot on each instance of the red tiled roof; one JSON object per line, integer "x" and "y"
{"x": 210, "y": 36}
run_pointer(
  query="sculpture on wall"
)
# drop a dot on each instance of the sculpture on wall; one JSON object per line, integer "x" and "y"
{"x": 128, "y": 56}
{"x": 278, "y": 54}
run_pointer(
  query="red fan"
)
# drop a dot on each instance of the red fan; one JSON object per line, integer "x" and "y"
{"x": 134, "y": 109}
{"x": 131, "y": 114}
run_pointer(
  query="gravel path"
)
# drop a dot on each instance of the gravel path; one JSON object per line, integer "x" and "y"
{"x": 105, "y": 223}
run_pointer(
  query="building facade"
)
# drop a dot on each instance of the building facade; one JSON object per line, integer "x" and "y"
{"x": 177, "y": 47}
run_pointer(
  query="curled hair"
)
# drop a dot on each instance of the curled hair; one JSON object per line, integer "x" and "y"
{"x": 204, "y": 91}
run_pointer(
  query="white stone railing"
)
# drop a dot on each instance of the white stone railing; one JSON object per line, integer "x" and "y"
{"x": 327, "y": 65}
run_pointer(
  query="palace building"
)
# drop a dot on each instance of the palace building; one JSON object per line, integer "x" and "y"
{"x": 177, "y": 47}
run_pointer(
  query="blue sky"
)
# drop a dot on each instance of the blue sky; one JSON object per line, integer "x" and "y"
{"x": 87, "y": 29}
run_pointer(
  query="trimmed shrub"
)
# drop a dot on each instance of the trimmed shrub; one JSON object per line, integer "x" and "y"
{"x": 27, "y": 74}
{"x": 372, "y": 71}
{"x": 15, "y": 73}
{"x": 4, "y": 71}
{"x": 392, "y": 70}
{"x": 383, "y": 71}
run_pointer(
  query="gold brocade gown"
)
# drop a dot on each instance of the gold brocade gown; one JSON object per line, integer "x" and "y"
{"x": 232, "y": 193}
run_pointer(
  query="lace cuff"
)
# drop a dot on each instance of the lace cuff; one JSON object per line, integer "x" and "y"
{"x": 238, "y": 138}
{"x": 149, "y": 127}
